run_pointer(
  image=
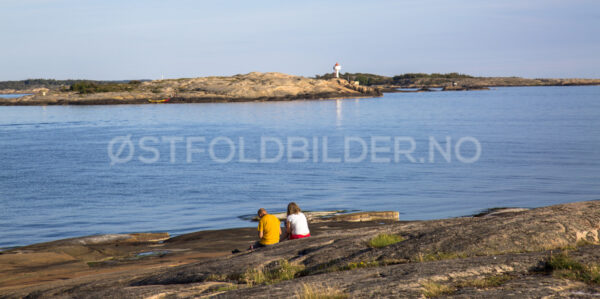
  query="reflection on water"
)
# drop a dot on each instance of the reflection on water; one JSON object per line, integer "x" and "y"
{"x": 338, "y": 113}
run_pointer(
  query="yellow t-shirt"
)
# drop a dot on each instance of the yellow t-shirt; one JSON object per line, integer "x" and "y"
{"x": 270, "y": 226}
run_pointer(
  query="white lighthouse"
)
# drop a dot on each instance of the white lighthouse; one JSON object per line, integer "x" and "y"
{"x": 337, "y": 67}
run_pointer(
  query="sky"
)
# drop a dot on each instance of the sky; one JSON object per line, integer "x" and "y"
{"x": 114, "y": 40}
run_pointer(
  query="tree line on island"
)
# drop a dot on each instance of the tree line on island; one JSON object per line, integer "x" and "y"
{"x": 404, "y": 79}
{"x": 82, "y": 86}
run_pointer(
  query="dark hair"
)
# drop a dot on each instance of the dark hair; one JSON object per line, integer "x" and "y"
{"x": 293, "y": 208}
{"x": 261, "y": 211}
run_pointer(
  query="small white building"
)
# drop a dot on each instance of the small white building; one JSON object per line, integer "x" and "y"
{"x": 337, "y": 67}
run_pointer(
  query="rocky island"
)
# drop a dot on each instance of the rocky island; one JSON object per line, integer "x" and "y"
{"x": 522, "y": 253}
{"x": 238, "y": 88}
{"x": 422, "y": 82}
{"x": 464, "y": 82}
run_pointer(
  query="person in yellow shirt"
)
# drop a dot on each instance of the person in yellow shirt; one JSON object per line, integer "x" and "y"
{"x": 269, "y": 229}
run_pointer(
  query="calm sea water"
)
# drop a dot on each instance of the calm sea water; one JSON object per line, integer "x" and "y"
{"x": 11, "y": 96}
{"x": 539, "y": 146}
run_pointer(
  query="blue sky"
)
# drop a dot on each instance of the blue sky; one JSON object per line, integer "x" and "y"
{"x": 147, "y": 39}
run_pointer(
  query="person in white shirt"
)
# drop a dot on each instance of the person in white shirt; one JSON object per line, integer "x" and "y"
{"x": 296, "y": 224}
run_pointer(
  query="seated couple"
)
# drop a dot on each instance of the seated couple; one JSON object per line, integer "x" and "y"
{"x": 269, "y": 227}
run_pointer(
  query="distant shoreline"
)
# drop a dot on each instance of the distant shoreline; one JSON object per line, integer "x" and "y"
{"x": 261, "y": 87}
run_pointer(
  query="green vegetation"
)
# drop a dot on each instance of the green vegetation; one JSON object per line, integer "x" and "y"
{"x": 50, "y": 83}
{"x": 563, "y": 266}
{"x": 433, "y": 289}
{"x": 317, "y": 292}
{"x": 85, "y": 87}
{"x": 487, "y": 282}
{"x": 383, "y": 240}
{"x": 362, "y": 78}
{"x": 404, "y": 79}
{"x": 226, "y": 288}
{"x": 282, "y": 271}
{"x": 433, "y": 75}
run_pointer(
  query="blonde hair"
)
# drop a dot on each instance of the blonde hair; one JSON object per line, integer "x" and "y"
{"x": 293, "y": 208}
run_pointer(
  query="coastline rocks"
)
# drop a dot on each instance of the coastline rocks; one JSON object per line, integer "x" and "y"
{"x": 498, "y": 255}
{"x": 112, "y": 238}
{"x": 368, "y": 216}
{"x": 461, "y": 88}
{"x": 328, "y": 216}
{"x": 477, "y": 82}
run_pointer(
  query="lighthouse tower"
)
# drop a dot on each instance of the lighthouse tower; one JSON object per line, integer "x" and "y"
{"x": 337, "y": 67}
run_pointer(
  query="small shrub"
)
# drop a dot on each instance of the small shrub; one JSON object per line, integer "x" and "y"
{"x": 563, "y": 266}
{"x": 85, "y": 87}
{"x": 434, "y": 289}
{"x": 314, "y": 292}
{"x": 254, "y": 276}
{"x": 283, "y": 271}
{"x": 383, "y": 240}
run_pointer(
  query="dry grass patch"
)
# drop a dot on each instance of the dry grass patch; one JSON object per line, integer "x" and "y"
{"x": 318, "y": 292}
{"x": 383, "y": 240}
{"x": 433, "y": 289}
{"x": 282, "y": 271}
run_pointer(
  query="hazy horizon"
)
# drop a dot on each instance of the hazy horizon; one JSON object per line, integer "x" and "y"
{"x": 110, "y": 40}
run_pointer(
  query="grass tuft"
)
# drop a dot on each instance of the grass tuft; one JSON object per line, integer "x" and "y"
{"x": 383, "y": 240}
{"x": 433, "y": 289}
{"x": 314, "y": 292}
{"x": 226, "y": 288}
{"x": 282, "y": 271}
{"x": 353, "y": 265}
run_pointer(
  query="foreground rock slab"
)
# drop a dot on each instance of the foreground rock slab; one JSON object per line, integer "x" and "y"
{"x": 494, "y": 255}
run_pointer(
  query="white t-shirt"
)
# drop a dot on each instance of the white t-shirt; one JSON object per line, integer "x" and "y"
{"x": 298, "y": 224}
